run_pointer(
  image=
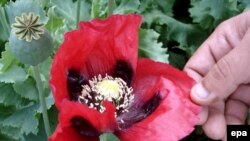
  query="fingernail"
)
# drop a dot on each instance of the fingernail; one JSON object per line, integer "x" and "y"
{"x": 199, "y": 91}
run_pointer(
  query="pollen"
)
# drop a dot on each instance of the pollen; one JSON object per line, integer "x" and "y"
{"x": 108, "y": 88}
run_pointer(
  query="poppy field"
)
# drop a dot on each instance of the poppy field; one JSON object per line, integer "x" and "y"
{"x": 107, "y": 70}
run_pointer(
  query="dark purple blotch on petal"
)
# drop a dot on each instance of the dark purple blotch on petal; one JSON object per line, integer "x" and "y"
{"x": 138, "y": 113}
{"x": 83, "y": 127}
{"x": 123, "y": 70}
{"x": 74, "y": 84}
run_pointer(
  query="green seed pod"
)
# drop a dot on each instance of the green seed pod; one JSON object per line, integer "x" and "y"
{"x": 29, "y": 41}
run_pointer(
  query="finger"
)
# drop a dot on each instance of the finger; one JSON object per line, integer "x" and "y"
{"x": 224, "y": 138}
{"x": 226, "y": 75}
{"x": 236, "y": 112}
{"x": 242, "y": 94}
{"x": 215, "y": 126}
{"x": 195, "y": 75}
{"x": 226, "y": 36}
{"x": 203, "y": 115}
{"x": 237, "y": 105}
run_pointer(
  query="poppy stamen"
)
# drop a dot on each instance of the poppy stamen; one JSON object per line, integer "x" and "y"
{"x": 107, "y": 88}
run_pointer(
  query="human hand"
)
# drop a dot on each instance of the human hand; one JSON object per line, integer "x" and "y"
{"x": 221, "y": 67}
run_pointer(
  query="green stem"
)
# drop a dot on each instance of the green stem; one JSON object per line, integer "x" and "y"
{"x": 111, "y": 7}
{"x": 78, "y": 12}
{"x": 93, "y": 9}
{"x": 39, "y": 86}
{"x": 5, "y": 21}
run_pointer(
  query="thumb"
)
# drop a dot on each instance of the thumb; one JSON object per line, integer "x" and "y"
{"x": 225, "y": 76}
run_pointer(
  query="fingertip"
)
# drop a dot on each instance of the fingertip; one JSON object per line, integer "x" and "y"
{"x": 215, "y": 127}
{"x": 201, "y": 96}
{"x": 199, "y": 92}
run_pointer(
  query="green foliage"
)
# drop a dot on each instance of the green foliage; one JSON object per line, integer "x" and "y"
{"x": 54, "y": 21}
{"x": 13, "y": 74}
{"x": 22, "y": 115}
{"x": 99, "y": 9}
{"x": 150, "y": 47}
{"x": 127, "y": 6}
{"x": 40, "y": 136}
{"x": 26, "y": 89}
{"x": 11, "y": 133}
{"x": 4, "y": 26}
{"x": 24, "y": 119}
{"x": 170, "y": 32}
{"x": 7, "y": 59}
{"x": 67, "y": 11}
{"x": 56, "y": 26}
{"x": 244, "y": 4}
{"x": 209, "y": 13}
{"x": 9, "y": 97}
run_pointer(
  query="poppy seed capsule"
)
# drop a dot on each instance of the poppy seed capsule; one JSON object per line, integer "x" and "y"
{"x": 29, "y": 41}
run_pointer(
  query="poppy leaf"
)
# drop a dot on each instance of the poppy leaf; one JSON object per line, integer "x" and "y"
{"x": 10, "y": 133}
{"x": 56, "y": 26}
{"x": 7, "y": 58}
{"x": 212, "y": 12}
{"x": 99, "y": 8}
{"x": 8, "y": 97}
{"x": 66, "y": 10}
{"x": 54, "y": 22}
{"x": 49, "y": 102}
{"x": 150, "y": 47}
{"x": 182, "y": 33}
{"x": 5, "y": 138}
{"x": 26, "y": 89}
{"x": 13, "y": 74}
{"x": 127, "y": 6}
{"x": 245, "y": 4}
{"x": 23, "y": 119}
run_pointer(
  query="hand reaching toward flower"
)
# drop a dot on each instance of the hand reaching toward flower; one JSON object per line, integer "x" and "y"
{"x": 221, "y": 67}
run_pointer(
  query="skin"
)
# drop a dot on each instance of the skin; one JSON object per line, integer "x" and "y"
{"x": 221, "y": 67}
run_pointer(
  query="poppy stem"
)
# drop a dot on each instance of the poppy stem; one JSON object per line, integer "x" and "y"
{"x": 39, "y": 86}
{"x": 6, "y": 27}
{"x": 94, "y": 12}
{"x": 78, "y": 12}
{"x": 111, "y": 7}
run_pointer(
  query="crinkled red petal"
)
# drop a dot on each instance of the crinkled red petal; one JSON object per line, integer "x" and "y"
{"x": 68, "y": 134}
{"x": 94, "y": 49}
{"x": 176, "y": 114}
{"x": 103, "y": 122}
{"x": 148, "y": 71}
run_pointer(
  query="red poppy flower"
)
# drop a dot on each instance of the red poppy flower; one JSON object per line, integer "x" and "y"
{"x": 99, "y": 85}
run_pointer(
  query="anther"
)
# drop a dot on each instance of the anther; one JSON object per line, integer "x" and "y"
{"x": 107, "y": 88}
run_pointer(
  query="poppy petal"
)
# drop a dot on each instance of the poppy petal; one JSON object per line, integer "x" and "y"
{"x": 176, "y": 114}
{"x": 94, "y": 120}
{"x": 148, "y": 73}
{"x": 172, "y": 119}
{"x": 68, "y": 134}
{"x": 95, "y": 49}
